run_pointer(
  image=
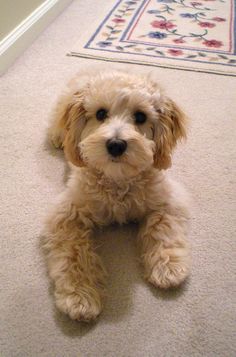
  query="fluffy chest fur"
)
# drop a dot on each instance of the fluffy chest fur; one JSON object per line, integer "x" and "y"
{"x": 107, "y": 200}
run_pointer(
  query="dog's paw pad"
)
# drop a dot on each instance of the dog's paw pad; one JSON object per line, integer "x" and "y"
{"x": 169, "y": 275}
{"x": 54, "y": 137}
{"x": 78, "y": 306}
{"x": 56, "y": 141}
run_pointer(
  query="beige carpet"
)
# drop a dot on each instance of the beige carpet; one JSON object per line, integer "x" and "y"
{"x": 138, "y": 321}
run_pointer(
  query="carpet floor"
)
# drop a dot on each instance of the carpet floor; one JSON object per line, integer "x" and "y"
{"x": 196, "y": 320}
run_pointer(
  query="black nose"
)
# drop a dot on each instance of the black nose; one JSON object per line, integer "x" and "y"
{"x": 116, "y": 147}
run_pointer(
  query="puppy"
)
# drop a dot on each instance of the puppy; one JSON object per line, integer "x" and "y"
{"x": 118, "y": 131}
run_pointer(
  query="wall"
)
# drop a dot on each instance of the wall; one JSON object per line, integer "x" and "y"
{"x": 12, "y": 12}
{"x": 21, "y": 21}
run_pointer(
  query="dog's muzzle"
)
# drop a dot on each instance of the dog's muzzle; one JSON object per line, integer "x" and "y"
{"x": 116, "y": 147}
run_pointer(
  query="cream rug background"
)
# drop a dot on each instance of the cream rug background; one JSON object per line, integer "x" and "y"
{"x": 138, "y": 320}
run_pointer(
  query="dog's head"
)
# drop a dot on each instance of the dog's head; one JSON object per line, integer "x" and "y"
{"x": 120, "y": 124}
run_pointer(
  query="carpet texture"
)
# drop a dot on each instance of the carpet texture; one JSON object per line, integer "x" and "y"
{"x": 138, "y": 320}
{"x": 196, "y": 36}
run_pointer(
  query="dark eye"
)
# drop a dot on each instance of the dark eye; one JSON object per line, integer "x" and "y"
{"x": 101, "y": 114}
{"x": 140, "y": 117}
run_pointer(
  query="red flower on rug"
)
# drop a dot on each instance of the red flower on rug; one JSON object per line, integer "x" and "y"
{"x": 219, "y": 19}
{"x": 118, "y": 20}
{"x": 213, "y": 43}
{"x": 164, "y": 25}
{"x": 179, "y": 40}
{"x": 206, "y": 24}
{"x": 175, "y": 52}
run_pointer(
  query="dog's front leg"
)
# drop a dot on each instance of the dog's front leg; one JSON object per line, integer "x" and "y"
{"x": 73, "y": 265}
{"x": 164, "y": 248}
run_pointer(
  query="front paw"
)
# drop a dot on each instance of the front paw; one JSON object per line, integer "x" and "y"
{"x": 83, "y": 305}
{"x": 170, "y": 270}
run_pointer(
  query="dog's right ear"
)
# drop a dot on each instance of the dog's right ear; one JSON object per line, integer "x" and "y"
{"x": 70, "y": 121}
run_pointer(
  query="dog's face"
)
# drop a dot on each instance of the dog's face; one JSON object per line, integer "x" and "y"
{"x": 121, "y": 124}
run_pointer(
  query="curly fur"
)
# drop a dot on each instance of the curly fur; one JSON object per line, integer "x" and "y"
{"x": 103, "y": 189}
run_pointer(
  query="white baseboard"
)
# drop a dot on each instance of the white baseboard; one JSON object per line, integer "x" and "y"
{"x": 25, "y": 33}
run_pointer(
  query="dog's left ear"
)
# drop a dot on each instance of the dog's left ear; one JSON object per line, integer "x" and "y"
{"x": 171, "y": 127}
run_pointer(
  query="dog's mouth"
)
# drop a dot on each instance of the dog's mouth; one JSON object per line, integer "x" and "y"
{"x": 116, "y": 159}
{"x": 124, "y": 162}
{"x": 123, "y": 159}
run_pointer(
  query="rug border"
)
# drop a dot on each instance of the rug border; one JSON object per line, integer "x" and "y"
{"x": 146, "y": 63}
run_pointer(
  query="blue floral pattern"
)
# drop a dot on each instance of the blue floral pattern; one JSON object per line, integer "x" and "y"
{"x": 188, "y": 16}
{"x": 156, "y": 34}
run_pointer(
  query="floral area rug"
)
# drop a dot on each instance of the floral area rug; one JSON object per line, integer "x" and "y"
{"x": 191, "y": 35}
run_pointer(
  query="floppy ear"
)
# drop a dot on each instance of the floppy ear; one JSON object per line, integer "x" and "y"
{"x": 171, "y": 127}
{"x": 68, "y": 125}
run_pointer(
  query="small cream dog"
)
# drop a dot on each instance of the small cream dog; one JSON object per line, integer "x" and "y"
{"x": 118, "y": 130}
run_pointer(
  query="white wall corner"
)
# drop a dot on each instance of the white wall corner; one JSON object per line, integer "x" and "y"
{"x": 25, "y": 33}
